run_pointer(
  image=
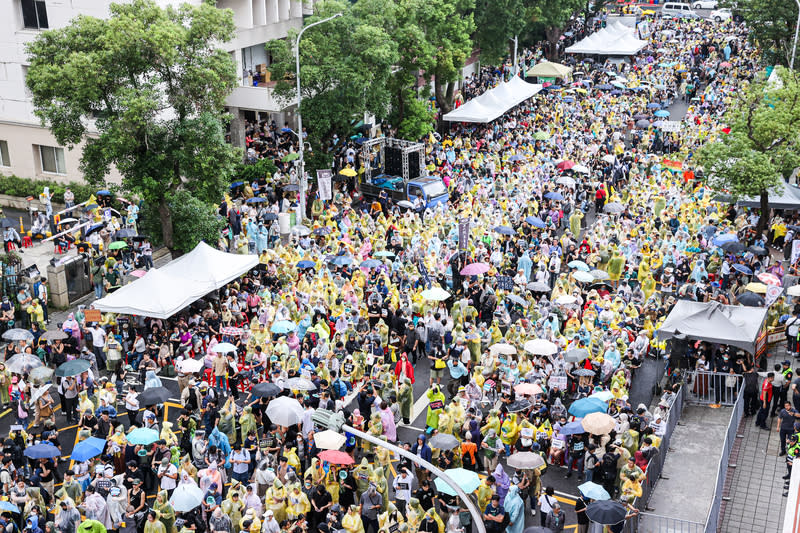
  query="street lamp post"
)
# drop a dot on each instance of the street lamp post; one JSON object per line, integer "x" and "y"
{"x": 301, "y": 161}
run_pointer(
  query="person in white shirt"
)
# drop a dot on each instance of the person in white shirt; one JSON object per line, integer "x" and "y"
{"x": 98, "y": 343}
{"x": 403, "y": 484}
{"x": 168, "y": 474}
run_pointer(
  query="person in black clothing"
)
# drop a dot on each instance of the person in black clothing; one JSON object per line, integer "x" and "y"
{"x": 103, "y": 428}
{"x": 494, "y": 517}
{"x": 580, "y": 512}
{"x": 722, "y": 365}
{"x": 788, "y": 416}
{"x": 750, "y": 391}
{"x": 321, "y": 502}
{"x": 425, "y": 494}
{"x": 347, "y": 489}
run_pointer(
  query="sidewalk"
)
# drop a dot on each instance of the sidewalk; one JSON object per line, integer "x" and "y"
{"x": 755, "y": 487}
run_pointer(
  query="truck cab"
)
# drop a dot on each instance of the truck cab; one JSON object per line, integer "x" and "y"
{"x": 432, "y": 191}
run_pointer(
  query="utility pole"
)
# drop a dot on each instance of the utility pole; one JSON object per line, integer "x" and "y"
{"x": 335, "y": 422}
{"x": 796, "y": 29}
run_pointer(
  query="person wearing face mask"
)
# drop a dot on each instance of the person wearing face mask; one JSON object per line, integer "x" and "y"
{"x": 722, "y": 365}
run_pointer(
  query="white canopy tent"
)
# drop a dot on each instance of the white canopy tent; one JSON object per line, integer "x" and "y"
{"x": 163, "y": 292}
{"x": 613, "y": 40}
{"x": 156, "y": 295}
{"x": 209, "y": 267}
{"x": 493, "y": 103}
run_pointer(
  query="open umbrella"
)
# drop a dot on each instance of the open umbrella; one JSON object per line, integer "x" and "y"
{"x": 370, "y": 263}
{"x": 336, "y": 457}
{"x": 584, "y": 406}
{"x": 54, "y": 335}
{"x": 72, "y": 368}
{"x": 9, "y": 507}
{"x": 41, "y": 373}
{"x": 283, "y": 326}
{"x": 519, "y": 300}
{"x": 302, "y": 265}
{"x": 223, "y": 347}
{"x": 528, "y": 389}
{"x": 576, "y": 355}
{"x": 299, "y": 384}
{"x": 573, "y": 428}
{"x": 329, "y": 440}
{"x": 443, "y": 441}
{"x": 750, "y": 299}
{"x": 86, "y": 449}
{"x": 538, "y": 286}
{"x": 583, "y": 277}
{"x": 536, "y": 222}
{"x": 583, "y": 372}
{"x": 39, "y": 392}
{"x": 436, "y": 294}
{"x": 733, "y": 247}
{"x": 18, "y": 334}
{"x": 349, "y": 172}
{"x": 502, "y": 348}
{"x": 474, "y": 269}
{"x": 466, "y": 479}
{"x": 285, "y": 411}
{"x": 593, "y": 491}
{"x": 743, "y": 269}
{"x": 794, "y": 290}
{"x": 540, "y": 347}
{"x": 579, "y": 265}
{"x": 186, "y": 497}
{"x": 42, "y": 451}
{"x": 758, "y": 250}
{"x": 384, "y": 253}
{"x": 557, "y": 196}
{"x": 758, "y": 288}
{"x": 598, "y": 423}
{"x": 265, "y": 390}
{"x": 599, "y": 275}
{"x": 23, "y": 363}
{"x": 117, "y": 245}
{"x": 770, "y": 279}
{"x": 255, "y": 200}
{"x": 504, "y": 230}
{"x": 322, "y": 230}
{"x": 405, "y": 204}
{"x": 525, "y": 460}
{"x": 565, "y": 165}
{"x": 614, "y": 208}
{"x": 301, "y": 231}
{"x": 518, "y": 406}
{"x": 340, "y": 260}
{"x": 581, "y": 169}
{"x": 190, "y": 366}
{"x": 143, "y": 436}
{"x": 606, "y": 512}
{"x": 603, "y": 395}
{"x": 154, "y": 395}
{"x": 290, "y": 157}
{"x": 566, "y": 299}
{"x": 292, "y": 187}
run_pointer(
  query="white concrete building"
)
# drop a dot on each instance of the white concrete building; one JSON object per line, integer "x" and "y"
{"x": 27, "y": 149}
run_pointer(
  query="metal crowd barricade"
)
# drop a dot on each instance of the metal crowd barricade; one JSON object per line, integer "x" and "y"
{"x": 712, "y": 387}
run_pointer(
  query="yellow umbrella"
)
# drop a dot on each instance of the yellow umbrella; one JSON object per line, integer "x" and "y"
{"x": 347, "y": 172}
{"x": 756, "y": 287}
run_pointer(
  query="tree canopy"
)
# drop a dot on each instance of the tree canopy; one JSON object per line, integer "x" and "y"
{"x": 762, "y": 146}
{"x": 771, "y": 24}
{"x": 151, "y": 82}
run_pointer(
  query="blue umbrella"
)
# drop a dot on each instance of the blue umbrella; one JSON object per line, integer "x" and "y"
{"x": 466, "y": 479}
{"x": 584, "y": 406}
{"x": 283, "y": 326}
{"x": 8, "y": 506}
{"x": 516, "y": 158}
{"x": 236, "y": 184}
{"x": 573, "y": 428}
{"x": 719, "y": 240}
{"x": 94, "y": 228}
{"x": 569, "y": 99}
{"x": 536, "y": 222}
{"x": 504, "y": 230}
{"x": 605, "y": 87}
{"x": 103, "y": 192}
{"x": 255, "y": 200}
{"x": 743, "y": 269}
{"x": 143, "y": 436}
{"x": 554, "y": 196}
{"x": 341, "y": 260}
{"x": 593, "y": 491}
{"x": 615, "y": 92}
{"x": 653, "y": 105}
{"x": 580, "y": 265}
{"x": 286, "y": 130}
{"x": 42, "y": 451}
{"x": 517, "y": 299}
{"x": 370, "y": 263}
{"x": 661, "y": 113}
{"x": 305, "y": 264}
{"x": 86, "y": 449}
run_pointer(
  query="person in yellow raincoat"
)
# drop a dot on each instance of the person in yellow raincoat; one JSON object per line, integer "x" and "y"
{"x": 276, "y": 499}
{"x": 298, "y": 504}
{"x": 351, "y": 522}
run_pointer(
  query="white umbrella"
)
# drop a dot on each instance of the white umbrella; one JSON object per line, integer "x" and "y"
{"x": 525, "y": 460}
{"x": 566, "y": 180}
{"x": 581, "y": 169}
{"x": 285, "y": 411}
{"x": 38, "y": 393}
{"x": 329, "y": 440}
{"x": 583, "y": 277}
{"x": 186, "y": 497}
{"x": 502, "y": 348}
{"x": 793, "y": 291}
{"x": 540, "y": 347}
{"x": 566, "y": 299}
{"x": 190, "y": 366}
{"x": 436, "y": 294}
{"x": 599, "y": 275}
{"x": 223, "y": 347}
{"x": 299, "y": 384}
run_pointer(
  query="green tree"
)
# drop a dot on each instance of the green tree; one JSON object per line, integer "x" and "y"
{"x": 771, "y": 25}
{"x": 345, "y": 66}
{"x": 193, "y": 221}
{"x": 497, "y": 22}
{"x": 153, "y": 83}
{"x": 553, "y": 16}
{"x": 762, "y": 146}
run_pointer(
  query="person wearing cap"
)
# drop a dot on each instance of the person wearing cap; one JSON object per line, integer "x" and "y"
{"x": 270, "y": 525}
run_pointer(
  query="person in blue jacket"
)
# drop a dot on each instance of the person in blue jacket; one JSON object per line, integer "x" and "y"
{"x": 423, "y": 451}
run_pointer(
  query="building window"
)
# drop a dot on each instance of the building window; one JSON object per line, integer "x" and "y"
{"x": 52, "y": 159}
{"x": 5, "y": 161}
{"x": 34, "y": 14}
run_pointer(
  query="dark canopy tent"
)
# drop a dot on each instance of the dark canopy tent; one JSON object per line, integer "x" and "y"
{"x": 714, "y": 322}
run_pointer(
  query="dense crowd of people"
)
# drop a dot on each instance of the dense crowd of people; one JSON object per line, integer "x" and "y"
{"x": 585, "y": 223}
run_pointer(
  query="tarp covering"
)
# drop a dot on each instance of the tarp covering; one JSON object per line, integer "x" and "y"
{"x": 493, "y": 103}
{"x": 163, "y": 292}
{"x": 614, "y": 40}
{"x": 156, "y": 295}
{"x": 785, "y": 197}
{"x": 714, "y": 322}
{"x": 548, "y": 69}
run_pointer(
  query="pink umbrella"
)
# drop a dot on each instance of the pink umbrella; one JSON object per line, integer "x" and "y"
{"x": 474, "y": 269}
{"x": 138, "y": 273}
{"x": 528, "y": 389}
{"x": 769, "y": 279}
{"x": 565, "y": 165}
{"x": 336, "y": 457}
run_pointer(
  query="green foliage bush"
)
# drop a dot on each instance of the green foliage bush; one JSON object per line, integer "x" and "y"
{"x": 251, "y": 172}
{"x": 192, "y": 221}
{"x": 24, "y": 187}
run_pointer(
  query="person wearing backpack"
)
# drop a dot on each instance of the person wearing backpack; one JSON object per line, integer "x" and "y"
{"x": 792, "y": 330}
{"x": 590, "y": 462}
{"x": 546, "y": 503}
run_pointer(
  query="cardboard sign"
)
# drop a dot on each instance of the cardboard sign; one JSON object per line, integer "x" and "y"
{"x": 324, "y": 177}
{"x": 795, "y": 250}
{"x": 402, "y": 486}
{"x": 93, "y": 315}
{"x": 671, "y": 125}
{"x": 773, "y": 292}
{"x": 557, "y": 382}
{"x": 463, "y": 234}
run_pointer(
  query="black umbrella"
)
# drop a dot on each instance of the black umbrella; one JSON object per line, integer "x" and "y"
{"x": 758, "y": 250}
{"x": 265, "y": 390}
{"x": 519, "y": 406}
{"x": 607, "y": 512}
{"x": 641, "y": 116}
{"x": 292, "y": 188}
{"x": 269, "y": 216}
{"x": 750, "y": 299}
{"x": 154, "y": 395}
{"x": 125, "y": 233}
{"x": 139, "y": 238}
{"x": 642, "y": 123}
{"x": 733, "y": 247}
{"x": 605, "y": 286}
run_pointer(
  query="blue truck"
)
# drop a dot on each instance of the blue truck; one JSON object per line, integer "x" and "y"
{"x": 431, "y": 189}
